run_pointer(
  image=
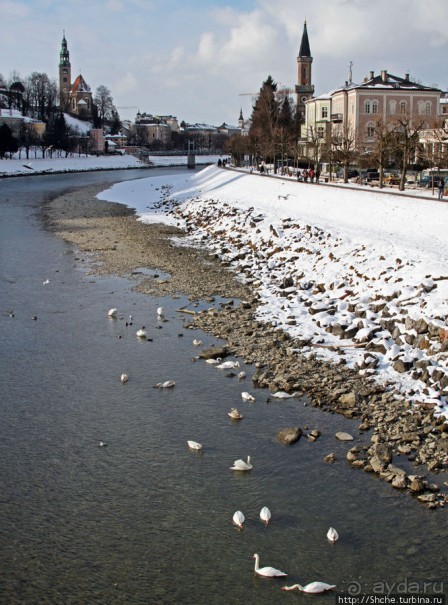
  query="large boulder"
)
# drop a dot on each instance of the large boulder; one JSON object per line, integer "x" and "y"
{"x": 289, "y": 435}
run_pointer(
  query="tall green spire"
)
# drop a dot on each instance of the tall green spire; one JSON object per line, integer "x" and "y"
{"x": 64, "y": 54}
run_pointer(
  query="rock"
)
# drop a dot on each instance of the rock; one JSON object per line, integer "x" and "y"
{"x": 343, "y": 436}
{"x": 383, "y": 451}
{"x": 290, "y": 435}
{"x": 315, "y": 433}
{"x": 348, "y": 400}
{"x": 399, "y": 481}
{"x": 426, "y": 498}
{"x": 330, "y": 458}
{"x": 416, "y": 485}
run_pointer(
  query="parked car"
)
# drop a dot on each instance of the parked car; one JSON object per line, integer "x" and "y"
{"x": 371, "y": 175}
{"x": 392, "y": 179}
{"x": 427, "y": 181}
{"x": 351, "y": 173}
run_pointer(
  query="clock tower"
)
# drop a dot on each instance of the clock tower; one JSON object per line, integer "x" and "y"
{"x": 65, "y": 75}
{"x": 304, "y": 88}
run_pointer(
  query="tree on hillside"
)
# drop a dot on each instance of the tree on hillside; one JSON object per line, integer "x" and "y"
{"x": 115, "y": 122}
{"x": 39, "y": 97}
{"x": 104, "y": 102}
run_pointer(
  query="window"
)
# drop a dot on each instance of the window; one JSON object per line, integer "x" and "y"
{"x": 374, "y": 106}
{"x": 392, "y": 107}
{"x": 428, "y": 108}
{"x": 320, "y": 132}
{"x": 304, "y": 76}
{"x": 402, "y": 107}
{"x": 370, "y": 130}
{"x": 73, "y": 104}
{"x": 325, "y": 112}
{"x": 367, "y": 107}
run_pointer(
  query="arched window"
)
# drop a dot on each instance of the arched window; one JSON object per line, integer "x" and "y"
{"x": 428, "y": 108}
{"x": 374, "y": 106}
{"x": 370, "y": 130}
{"x": 402, "y": 107}
{"x": 367, "y": 107}
{"x": 73, "y": 104}
{"x": 392, "y": 107}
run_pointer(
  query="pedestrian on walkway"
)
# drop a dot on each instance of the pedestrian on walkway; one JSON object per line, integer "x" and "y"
{"x": 441, "y": 188}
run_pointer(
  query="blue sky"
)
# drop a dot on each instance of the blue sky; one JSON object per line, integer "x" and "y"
{"x": 194, "y": 58}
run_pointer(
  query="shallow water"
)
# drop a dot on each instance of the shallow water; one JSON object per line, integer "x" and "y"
{"x": 145, "y": 520}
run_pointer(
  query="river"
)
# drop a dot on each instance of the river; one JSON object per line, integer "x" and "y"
{"x": 144, "y": 520}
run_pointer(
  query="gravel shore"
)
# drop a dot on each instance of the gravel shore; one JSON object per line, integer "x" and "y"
{"x": 117, "y": 243}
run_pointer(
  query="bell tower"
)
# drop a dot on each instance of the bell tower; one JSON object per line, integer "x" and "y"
{"x": 304, "y": 88}
{"x": 65, "y": 75}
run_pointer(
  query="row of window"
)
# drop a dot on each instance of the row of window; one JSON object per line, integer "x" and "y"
{"x": 423, "y": 107}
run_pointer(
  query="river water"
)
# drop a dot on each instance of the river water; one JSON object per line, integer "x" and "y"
{"x": 145, "y": 520}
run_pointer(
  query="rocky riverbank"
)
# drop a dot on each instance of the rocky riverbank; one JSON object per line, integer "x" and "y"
{"x": 112, "y": 241}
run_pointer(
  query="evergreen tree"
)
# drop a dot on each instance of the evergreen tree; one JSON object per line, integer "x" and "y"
{"x": 8, "y": 143}
{"x": 263, "y": 121}
{"x": 115, "y": 123}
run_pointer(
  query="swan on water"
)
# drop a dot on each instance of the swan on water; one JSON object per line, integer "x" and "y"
{"x": 265, "y": 515}
{"x": 240, "y": 465}
{"x": 142, "y": 332}
{"x": 197, "y": 343}
{"x": 241, "y": 375}
{"x": 194, "y": 445}
{"x": 235, "y": 414}
{"x": 332, "y": 535}
{"x": 214, "y": 362}
{"x": 247, "y": 396}
{"x": 112, "y": 312}
{"x": 161, "y": 312}
{"x": 267, "y": 572}
{"x": 168, "y": 384}
{"x": 284, "y": 395}
{"x": 102, "y": 444}
{"x": 312, "y": 588}
{"x": 46, "y": 282}
{"x": 228, "y": 365}
{"x": 124, "y": 378}
{"x": 239, "y": 518}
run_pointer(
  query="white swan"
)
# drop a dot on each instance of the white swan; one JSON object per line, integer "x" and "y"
{"x": 161, "y": 312}
{"x": 267, "y": 572}
{"x": 141, "y": 333}
{"x": 197, "y": 342}
{"x": 235, "y": 414}
{"x": 332, "y": 535}
{"x": 124, "y": 378}
{"x": 241, "y": 375}
{"x": 284, "y": 395}
{"x": 46, "y": 282}
{"x": 214, "y": 362}
{"x": 247, "y": 396}
{"x": 265, "y": 515}
{"x": 239, "y": 518}
{"x": 194, "y": 445}
{"x": 240, "y": 465}
{"x": 228, "y": 365}
{"x": 102, "y": 444}
{"x": 112, "y": 312}
{"x": 312, "y": 588}
{"x": 168, "y": 384}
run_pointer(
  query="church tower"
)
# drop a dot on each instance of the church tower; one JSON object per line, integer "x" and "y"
{"x": 65, "y": 75}
{"x": 304, "y": 88}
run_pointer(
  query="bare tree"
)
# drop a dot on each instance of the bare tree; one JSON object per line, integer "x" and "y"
{"x": 385, "y": 144}
{"x": 104, "y": 102}
{"x": 407, "y": 135}
{"x": 343, "y": 148}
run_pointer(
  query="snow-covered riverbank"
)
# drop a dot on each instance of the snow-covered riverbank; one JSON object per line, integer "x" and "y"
{"x": 355, "y": 275}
